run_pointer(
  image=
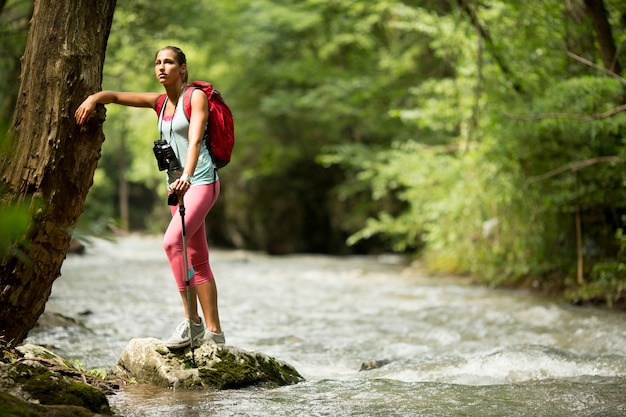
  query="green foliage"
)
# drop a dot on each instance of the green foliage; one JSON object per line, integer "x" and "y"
{"x": 493, "y": 179}
{"x": 96, "y": 373}
{"x": 607, "y": 283}
{"x": 562, "y": 159}
{"x": 14, "y": 19}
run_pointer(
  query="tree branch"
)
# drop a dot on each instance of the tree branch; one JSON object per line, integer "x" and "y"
{"x": 596, "y": 66}
{"x": 575, "y": 116}
{"x": 486, "y": 36}
{"x": 575, "y": 166}
{"x": 587, "y": 117}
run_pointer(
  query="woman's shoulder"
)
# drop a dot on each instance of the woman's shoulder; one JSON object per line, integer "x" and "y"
{"x": 198, "y": 97}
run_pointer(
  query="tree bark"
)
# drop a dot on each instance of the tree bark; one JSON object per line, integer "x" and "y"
{"x": 600, "y": 22}
{"x": 52, "y": 160}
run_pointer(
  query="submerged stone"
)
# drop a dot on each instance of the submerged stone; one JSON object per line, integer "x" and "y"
{"x": 369, "y": 365}
{"x": 149, "y": 361}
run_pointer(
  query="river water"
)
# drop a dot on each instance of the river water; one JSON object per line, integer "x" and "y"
{"x": 446, "y": 348}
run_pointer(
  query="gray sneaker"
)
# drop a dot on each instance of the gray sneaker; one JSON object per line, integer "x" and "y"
{"x": 218, "y": 338}
{"x": 180, "y": 338}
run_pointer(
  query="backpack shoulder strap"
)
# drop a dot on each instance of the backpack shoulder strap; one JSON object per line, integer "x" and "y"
{"x": 159, "y": 103}
{"x": 187, "y": 101}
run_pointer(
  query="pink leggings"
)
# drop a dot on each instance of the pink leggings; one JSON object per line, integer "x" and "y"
{"x": 198, "y": 201}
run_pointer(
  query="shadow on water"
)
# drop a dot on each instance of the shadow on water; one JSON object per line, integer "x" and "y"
{"x": 441, "y": 347}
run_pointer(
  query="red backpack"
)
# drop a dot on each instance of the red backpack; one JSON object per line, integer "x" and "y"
{"x": 219, "y": 135}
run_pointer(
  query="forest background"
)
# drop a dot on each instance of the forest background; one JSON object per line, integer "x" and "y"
{"x": 484, "y": 138}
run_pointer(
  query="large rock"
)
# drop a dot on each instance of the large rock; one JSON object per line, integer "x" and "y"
{"x": 37, "y": 382}
{"x": 148, "y": 361}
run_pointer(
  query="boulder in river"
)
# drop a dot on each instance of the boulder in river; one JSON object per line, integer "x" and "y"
{"x": 149, "y": 361}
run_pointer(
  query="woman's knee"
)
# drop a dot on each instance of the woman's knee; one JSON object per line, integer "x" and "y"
{"x": 172, "y": 243}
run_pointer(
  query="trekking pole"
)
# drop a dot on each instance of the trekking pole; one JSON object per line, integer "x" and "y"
{"x": 181, "y": 209}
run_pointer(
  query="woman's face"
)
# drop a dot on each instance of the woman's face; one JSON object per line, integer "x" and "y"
{"x": 166, "y": 68}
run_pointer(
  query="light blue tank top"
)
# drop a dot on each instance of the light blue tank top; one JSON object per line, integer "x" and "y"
{"x": 175, "y": 131}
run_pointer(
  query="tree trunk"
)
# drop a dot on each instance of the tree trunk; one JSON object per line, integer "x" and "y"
{"x": 601, "y": 25}
{"x": 52, "y": 160}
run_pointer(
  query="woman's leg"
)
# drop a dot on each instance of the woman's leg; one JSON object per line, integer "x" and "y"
{"x": 207, "y": 294}
{"x": 204, "y": 287}
{"x": 198, "y": 201}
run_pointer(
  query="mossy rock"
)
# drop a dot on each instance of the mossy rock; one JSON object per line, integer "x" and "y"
{"x": 53, "y": 388}
{"x": 148, "y": 361}
{"x": 230, "y": 369}
{"x": 33, "y": 374}
{"x": 37, "y": 352}
{"x": 11, "y": 406}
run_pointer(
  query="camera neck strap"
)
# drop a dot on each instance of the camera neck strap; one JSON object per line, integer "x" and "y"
{"x": 161, "y": 115}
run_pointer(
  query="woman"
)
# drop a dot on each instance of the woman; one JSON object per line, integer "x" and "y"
{"x": 196, "y": 180}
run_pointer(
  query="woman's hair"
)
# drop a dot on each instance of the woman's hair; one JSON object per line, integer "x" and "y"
{"x": 180, "y": 58}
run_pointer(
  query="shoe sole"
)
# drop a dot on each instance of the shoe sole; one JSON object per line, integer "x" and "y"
{"x": 185, "y": 344}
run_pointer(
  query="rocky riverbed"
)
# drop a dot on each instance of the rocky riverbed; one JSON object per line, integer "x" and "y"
{"x": 35, "y": 381}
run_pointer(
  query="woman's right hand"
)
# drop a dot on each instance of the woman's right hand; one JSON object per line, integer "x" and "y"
{"x": 85, "y": 110}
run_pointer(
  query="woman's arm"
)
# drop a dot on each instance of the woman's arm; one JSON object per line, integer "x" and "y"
{"x": 88, "y": 107}
{"x": 197, "y": 125}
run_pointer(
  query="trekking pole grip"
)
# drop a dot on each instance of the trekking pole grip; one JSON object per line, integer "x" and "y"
{"x": 181, "y": 210}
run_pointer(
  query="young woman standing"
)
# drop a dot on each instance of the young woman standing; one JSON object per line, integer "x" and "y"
{"x": 196, "y": 180}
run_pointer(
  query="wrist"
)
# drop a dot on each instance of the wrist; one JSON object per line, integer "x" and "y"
{"x": 186, "y": 177}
